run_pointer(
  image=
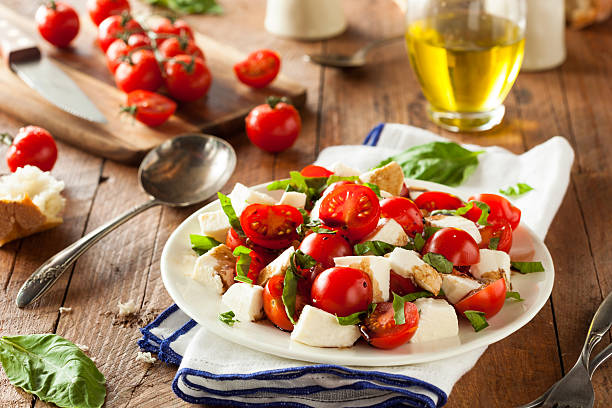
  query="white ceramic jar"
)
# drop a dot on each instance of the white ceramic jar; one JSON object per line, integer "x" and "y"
{"x": 305, "y": 19}
{"x": 544, "y": 35}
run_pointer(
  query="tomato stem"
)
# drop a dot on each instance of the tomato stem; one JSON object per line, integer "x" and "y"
{"x": 6, "y": 139}
{"x": 189, "y": 67}
{"x": 129, "y": 109}
{"x": 51, "y": 4}
{"x": 275, "y": 100}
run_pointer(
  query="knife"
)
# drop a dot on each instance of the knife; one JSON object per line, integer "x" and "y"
{"x": 40, "y": 74}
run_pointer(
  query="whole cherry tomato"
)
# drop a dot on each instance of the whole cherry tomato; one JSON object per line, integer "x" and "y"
{"x": 115, "y": 53}
{"x": 488, "y": 300}
{"x": 325, "y": 247}
{"x": 456, "y": 245}
{"x": 273, "y": 126}
{"x": 400, "y": 285}
{"x": 180, "y": 46}
{"x": 187, "y": 78}
{"x": 405, "y": 212}
{"x": 57, "y": 22}
{"x": 138, "y": 71}
{"x": 499, "y": 229}
{"x": 150, "y": 108}
{"x": 99, "y": 10}
{"x": 271, "y": 226}
{"x": 258, "y": 69}
{"x": 315, "y": 171}
{"x": 342, "y": 291}
{"x": 437, "y": 200}
{"x": 379, "y": 329}
{"x": 139, "y": 40}
{"x": 500, "y": 208}
{"x": 273, "y": 303}
{"x": 114, "y": 27}
{"x": 33, "y": 146}
{"x": 164, "y": 28}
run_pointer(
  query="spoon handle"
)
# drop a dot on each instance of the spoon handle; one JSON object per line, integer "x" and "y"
{"x": 49, "y": 272}
{"x": 378, "y": 43}
{"x": 599, "y": 326}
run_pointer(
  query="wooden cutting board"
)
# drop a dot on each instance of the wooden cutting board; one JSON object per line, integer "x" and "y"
{"x": 124, "y": 139}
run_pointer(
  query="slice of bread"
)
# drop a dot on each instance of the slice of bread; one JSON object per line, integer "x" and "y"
{"x": 30, "y": 202}
{"x": 581, "y": 13}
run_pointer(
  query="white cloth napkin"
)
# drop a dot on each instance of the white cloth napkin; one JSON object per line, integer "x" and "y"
{"x": 212, "y": 370}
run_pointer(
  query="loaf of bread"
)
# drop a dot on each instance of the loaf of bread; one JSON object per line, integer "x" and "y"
{"x": 581, "y": 13}
{"x": 30, "y": 202}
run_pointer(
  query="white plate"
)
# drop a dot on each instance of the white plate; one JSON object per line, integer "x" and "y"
{"x": 204, "y": 306}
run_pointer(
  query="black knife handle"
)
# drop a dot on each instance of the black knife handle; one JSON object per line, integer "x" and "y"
{"x": 16, "y": 46}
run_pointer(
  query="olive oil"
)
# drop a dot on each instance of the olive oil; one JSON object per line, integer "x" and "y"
{"x": 465, "y": 64}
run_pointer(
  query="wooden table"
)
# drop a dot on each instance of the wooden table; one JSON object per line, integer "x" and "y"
{"x": 574, "y": 101}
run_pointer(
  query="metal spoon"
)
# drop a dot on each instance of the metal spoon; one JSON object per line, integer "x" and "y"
{"x": 356, "y": 60}
{"x": 180, "y": 172}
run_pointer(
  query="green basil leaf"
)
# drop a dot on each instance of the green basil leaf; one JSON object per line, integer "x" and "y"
{"x": 462, "y": 210}
{"x": 228, "y": 318}
{"x": 378, "y": 248}
{"x": 477, "y": 319}
{"x": 356, "y": 318}
{"x": 243, "y": 264}
{"x": 411, "y": 297}
{"x": 201, "y": 244}
{"x": 514, "y": 295}
{"x": 439, "y": 262}
{"x": 228, "y": 209}
{"x": 398, "y": 309}
{"x": 305, "y": 216}
{"x": 429, "y": 230}
{"x": 278, "y": 185}
{"x": 290, "y": 288}
{"x": 189, "y": 6}
{"x": 419, "y": 241}
{"x": 334, "y": 179}
{"x": 303, "y": 260}
{"x": 520, "y": 189}
{"x": 484, "y": 214}
{"x": 440, "y": 162}
{"x": 54, "y": 369}
{"x": 528, "y": 267}
{"x": 374, "y": 188}
{"x": 494, "y": 243}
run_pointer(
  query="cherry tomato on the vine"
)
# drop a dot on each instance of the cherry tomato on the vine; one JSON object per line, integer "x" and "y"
{"x": 405, "y": 212}
{"x": 258, "y": 69}
{"x": 114, "y": 27}
{"x": 342, "y": 291}
{"x": 187, "y": 77}
{"x": 271, "y": 226}
{"x": 99, "y": 10}
{"x": 380, "y": 330}
{"x": 164, "y": 28}
{"x": 180, "y": 46}
{"x": 150, "y": 108}
{"x": 138, "y": 71}
{"x": 456, "y": 245}
{"x": 57, "y": 22}
{"x": 33, "y": 146}
{"x": 273, "y": 126}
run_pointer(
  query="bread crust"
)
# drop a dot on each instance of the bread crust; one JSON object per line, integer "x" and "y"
{"x": 580, "y": 17}
{"x": 19, "y": 219}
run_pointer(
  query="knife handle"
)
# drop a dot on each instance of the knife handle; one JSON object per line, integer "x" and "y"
{"x": 16, "y": 46}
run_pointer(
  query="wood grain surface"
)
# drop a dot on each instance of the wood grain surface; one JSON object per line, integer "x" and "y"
{"x": 574, "y": 101}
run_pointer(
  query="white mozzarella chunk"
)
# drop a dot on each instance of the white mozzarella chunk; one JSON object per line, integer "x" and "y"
{"x": 314, "y": 213}
{"x": 214, "y": 224}
{"x": 215, "y": 268}
{"x": 242, "y": 197}
{"x": 245, "y": 300}
{"x": 493, "y": 265}
{"x": 388, "y": 230}
{"x": 437, "y": 320}
{"x": 408, "y": 264}
{"x": 294, "y": 199}
{"x": 342, "y": 170}
{"x": 456, "y": 221}
{"x": 385, "y": 194}
{"x": 457, "y": 287}
{"x": 277, "y": 267}
{"x": 390, "y": 178}
{"x": 317, "y": 328}
{"x": 377, "y": 267}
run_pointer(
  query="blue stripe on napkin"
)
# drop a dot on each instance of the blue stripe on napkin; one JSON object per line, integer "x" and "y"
{"x": 372, "y": 137}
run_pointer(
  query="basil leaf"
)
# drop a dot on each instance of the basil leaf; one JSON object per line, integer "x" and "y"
{"x": 243, "y": 264}
{"x": 278, "y": 185}
{"x": 429, "y": 230}
{"x": 520, "y": 189}
{"x": 290, "y": 289}
{"x": 494, "y": 243}
{"x": 374, "y": 188}
{"x": 334, "y": 179}
{"x": 528, "y": 267}
{"x": 228, "y": 209}
{"x": 355, "y": 318}
{"x": 311, "y": 186}
{"x": 54, "y": 369}
{"x": 485, "y": 210}
{"x": 463, "y": 210}
{"x": 228, "y": 318}
{"x": 440, "y": 162}
{"x": 514, "y": 295}
{"x": 477, "y": 319}
{"x": 201, "y": 244}
{"x": 398, "y": 309}
{"x": 189, "y": 6}
{"x": 305, "y": 216}
{"x": 303, "y": 260}
{"x": 378, "y": 248}
{"x": 411, "y": 297}
{"x": 439, "y": 262}
{"x": 419, "y": 241}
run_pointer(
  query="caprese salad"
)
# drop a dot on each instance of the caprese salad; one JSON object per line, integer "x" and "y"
{"x": 346, "y": 254}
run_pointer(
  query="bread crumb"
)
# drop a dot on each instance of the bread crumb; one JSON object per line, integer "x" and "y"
{"x": 145, "y": 357}
{"x": 82, "y": 347}
{"x": 127, "y": 308}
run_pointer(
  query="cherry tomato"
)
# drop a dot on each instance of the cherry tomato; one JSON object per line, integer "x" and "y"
{"x": 165, "y": 28}
{"x": 115, "y": 52}
{"x": 497, "y": 229}
{"x": 180, "y": 46}
{"x": 99, "y": 10}
{"x": 32, "y": 146}
{"x": 488, "y": 300}
{"x": 114, "y": 27}
{"x": 138, "y": 71}
{"x": 57, "y": 22}
{"x": 437, "y": 200}
{"x": 255, "y": 266}
{"x": 273, "y": 126}
{"x": 405, "y": 212}
{"x": 233, "y": 240}
{"x": 500, "y": 208}
{"x": 456, "y": 245}
{"x": 273, "y": 303}
{"x": 258, "y": 69}
{"x": 150, "y": 108}
{"x": 325, "y": 247}
{"x": 351, "y": 205}
{"x": 379, "y": 329}
{"x": 139, "y": 40}
{"x": 187, "y": 78}
{"x": 342, "y": 291}
{"x": 315, "y": 171}
{"x": 400, "y": 285}
{"x": 271, "y": 226}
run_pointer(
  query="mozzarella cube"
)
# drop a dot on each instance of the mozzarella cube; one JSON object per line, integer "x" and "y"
{"x": 277, "y": 267}
{"x": 493, "y": 265}
{"x": 409, "y": 264}
{"x": 377, "y": 267}
{"x": 314, "y": 213}
{"x": 455, "y": 221}
{"x": 342, "y": 170}
{"x": 437, "y": 320}
{"x": 385, "y": 194}
{"x": 242, "y": 197}
{"x": 389, "y": 231}
{"x": 294, "y": 199}
{"x": 317, "y": 328}
{"x": 215, "y": 268}
{"x": 245, "y": 300}
{"x": 214, "y": 224}
{"x": 390, "y": 178}
{"x": 457, "y": 287}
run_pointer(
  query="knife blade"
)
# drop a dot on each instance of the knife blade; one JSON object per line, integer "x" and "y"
{"x": 26, "y": 60}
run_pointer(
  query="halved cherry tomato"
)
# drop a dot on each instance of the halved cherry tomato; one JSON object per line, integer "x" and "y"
{"x": 497, "y": 229}
{"x": 255, "y": 266}
{"x": 488, "y": 300}
{"x": 437, "y": 200}
{"x": 138, "y": 71}
{"x": 99, "y": 10}
{"x": 456, "y": 245}
{"x": 233, "y": 240}
{"x": 315, "y": 171}
{"x": 32, "y": 146}
{"x": 500, "y": 207}
{"x": 273, "y": 303}
{"x": 114, "y": 27}
{"x": 325, "y": 247}
{"x": 379, "y": 329}
{"x": 57, "y": 22}
{"x": 351, "y": 205}
{"x": 258, "y": 69}
{"x": 180, "y": 46}
{"x": 342, "y": 291}
{"x": 271, "y": 226}
{"x": 273, "y": 126}
{"x": 187, "y": 78}
{"x": 400, "y": 285}
{"x": 150, "y": 108}
{"x": 405, "y": 212}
